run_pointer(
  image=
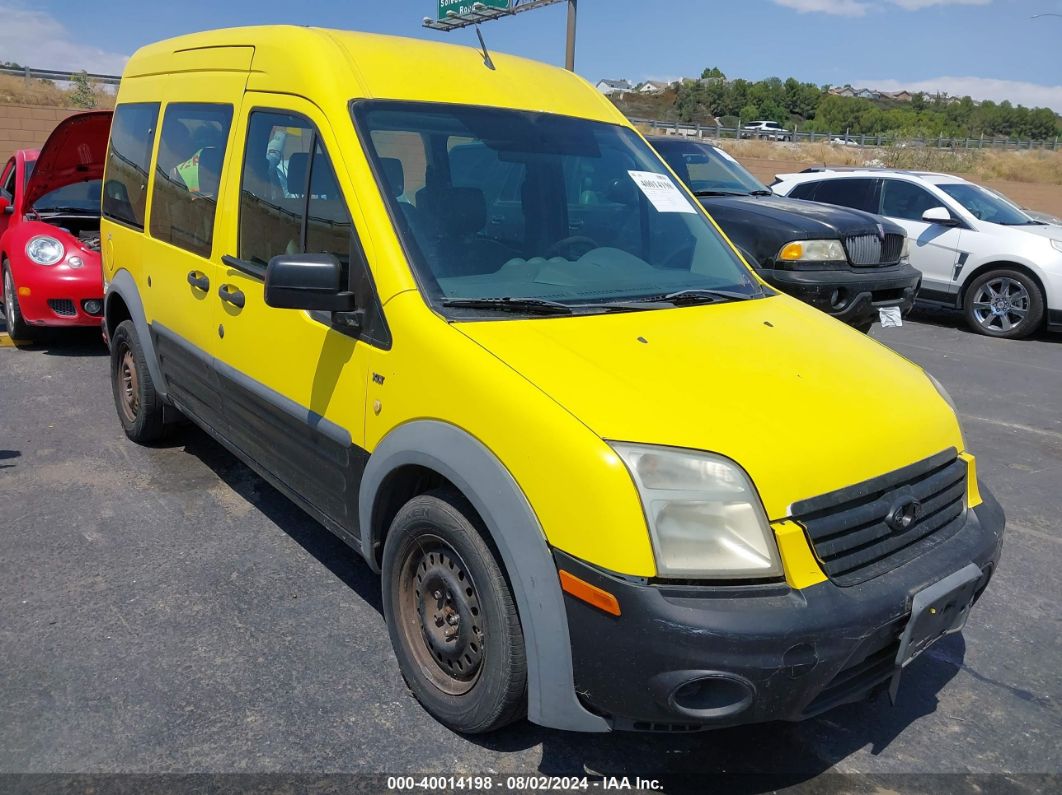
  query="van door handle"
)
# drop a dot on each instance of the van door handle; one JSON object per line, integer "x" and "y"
{"x": 199, "y": 280}
{"x": 232, "y": 295}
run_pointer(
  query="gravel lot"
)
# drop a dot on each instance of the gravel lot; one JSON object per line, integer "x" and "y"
{"x": 163, "y": 610}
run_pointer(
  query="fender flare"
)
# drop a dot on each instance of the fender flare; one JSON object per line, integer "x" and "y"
{"x": 516, "y": 532}
{"x": 124, "y": 286}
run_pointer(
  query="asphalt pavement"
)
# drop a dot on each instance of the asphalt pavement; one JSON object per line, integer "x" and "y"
{"x": 163, "y": 610}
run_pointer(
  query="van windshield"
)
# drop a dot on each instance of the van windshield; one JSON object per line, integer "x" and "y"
{"x": 534, "y": 208}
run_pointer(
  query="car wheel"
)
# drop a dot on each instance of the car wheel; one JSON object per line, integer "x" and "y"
{"x": 16, "y": 325}
{"x": 139, "y": 406}
{"x": 451, "y": 615}
{"x": 1004, "y": 303}
{"x": 864, "y": 327}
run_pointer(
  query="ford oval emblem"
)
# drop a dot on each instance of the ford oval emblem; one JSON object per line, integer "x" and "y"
{"x": 904, "y": 513}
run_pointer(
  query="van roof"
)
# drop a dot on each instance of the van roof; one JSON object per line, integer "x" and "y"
{"x": 336, "y": 66}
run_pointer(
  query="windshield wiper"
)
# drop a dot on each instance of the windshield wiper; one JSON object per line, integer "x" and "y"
{"x": 64, "y": 210}
{"x": 761, "y": 193}
{"x": 509, "y": 304}
{"x": 697, "y": 296}
{"x": 720, "y": 193}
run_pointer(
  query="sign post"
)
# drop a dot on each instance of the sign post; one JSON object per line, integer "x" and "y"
{"x": 455, "y": 14}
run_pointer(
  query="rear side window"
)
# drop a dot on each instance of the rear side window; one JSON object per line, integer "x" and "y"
{"x": 188, "y": 175}
{"x": 805, "y": 190}
{"x": 128, "y": 158}
{"x": 901, "y": 199}
{"x": 855, "y": 193}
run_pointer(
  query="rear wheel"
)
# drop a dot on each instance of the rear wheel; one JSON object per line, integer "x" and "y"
{"x": 1004, "y": 303}
{"x": 16, "y": 325}
{"x": 451, "y": 616}
{"x": 139, "y": 407}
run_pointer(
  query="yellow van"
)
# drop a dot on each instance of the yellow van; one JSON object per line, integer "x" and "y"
{"x": 459, "y": 311}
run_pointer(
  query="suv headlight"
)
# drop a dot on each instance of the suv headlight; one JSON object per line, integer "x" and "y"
{"x": 905, "y": 251}
{"x": 813, "y": 251}
{"x": 705, "y": 518}
{"x": 44, "y": 250}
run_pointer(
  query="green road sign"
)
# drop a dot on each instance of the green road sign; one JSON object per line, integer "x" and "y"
{"x": 465, "y": 6}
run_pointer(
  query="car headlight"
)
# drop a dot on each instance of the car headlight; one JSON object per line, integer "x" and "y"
{"x": 705, "y": 518}
{"x": 1057, "y": 244}
{"x": 813, "y": 251}
{"x": 45, "y": 250}
{"x": 905, "y": 251}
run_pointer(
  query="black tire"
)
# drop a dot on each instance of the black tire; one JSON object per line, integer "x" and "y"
{"x": 864, "y": 327}
{"x": 451, "y": 615}
{"x": 17, "y": 327}
{"x": 1004, "y": 303}
{"x": 139, "y": 407}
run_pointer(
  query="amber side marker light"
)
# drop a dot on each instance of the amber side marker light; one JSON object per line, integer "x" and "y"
{"x": 588, "y": 593}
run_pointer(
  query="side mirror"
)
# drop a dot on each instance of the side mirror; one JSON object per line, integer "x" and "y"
{"x": 939, "y": 215}
{"x": 6, "y": 207}
{"x": 307, "y": 281}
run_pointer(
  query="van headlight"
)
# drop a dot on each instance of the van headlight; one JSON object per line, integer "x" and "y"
{"x": 705, "y": 518}
{"x": 44, "y": 250}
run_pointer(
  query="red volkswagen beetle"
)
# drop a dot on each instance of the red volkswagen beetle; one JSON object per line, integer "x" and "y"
{"x": 50, "y": 228}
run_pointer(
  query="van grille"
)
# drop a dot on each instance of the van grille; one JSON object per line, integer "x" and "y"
{"x": 872, "y": 250}
{"x": 849, "y": 531}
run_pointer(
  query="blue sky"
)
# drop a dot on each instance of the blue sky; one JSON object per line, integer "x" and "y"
{"x": 990, "y": 49}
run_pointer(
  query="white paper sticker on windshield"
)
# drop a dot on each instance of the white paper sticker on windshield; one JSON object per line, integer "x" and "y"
{"x": 890, "y": 317}
{"x": 661, "y": 191}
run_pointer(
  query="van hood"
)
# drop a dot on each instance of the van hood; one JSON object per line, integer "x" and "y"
{"x": 74, "y": 152}
{"x": 804, "y": 403}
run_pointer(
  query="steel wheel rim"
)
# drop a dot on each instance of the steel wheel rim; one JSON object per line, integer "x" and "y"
{"x": 1001, "y": 304}
{"x": 440, "y": 616}
{"x": 9, "y": 301}
{"x": 128, "y": 385}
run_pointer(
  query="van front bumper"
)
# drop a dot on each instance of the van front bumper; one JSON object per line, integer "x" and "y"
{"x": 685, "y": 658}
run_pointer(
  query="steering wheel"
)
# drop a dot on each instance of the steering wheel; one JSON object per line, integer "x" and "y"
{"x": 568, "y": 243}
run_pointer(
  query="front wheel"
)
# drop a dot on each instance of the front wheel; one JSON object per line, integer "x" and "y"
{"x": 451, "y": 615}
{"x": 17, "y": 327}
{"x": 1004, "y": 303}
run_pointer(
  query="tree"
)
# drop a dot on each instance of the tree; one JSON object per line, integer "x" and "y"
{"x": 712, "y": 73}
{"x": 83, "y": 95}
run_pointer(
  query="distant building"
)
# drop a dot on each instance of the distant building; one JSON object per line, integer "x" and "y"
{"x": 867, "y": 93}
{"x": 842, "y": 91}
{"x": 652, "y": 87}
{"x": 898, "y": 96}
{"x": 608, "y": 87}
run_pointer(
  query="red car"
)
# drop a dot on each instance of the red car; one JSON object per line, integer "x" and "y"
{"x": 50, "y": 228}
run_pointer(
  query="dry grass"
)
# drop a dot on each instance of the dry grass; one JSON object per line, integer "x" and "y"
{"x": 19, "y": 91}
{"x": 1039, "y": 167}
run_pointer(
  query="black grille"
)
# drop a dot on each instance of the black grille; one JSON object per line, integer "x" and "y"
{"x": 62, "y": 306}
{"x": 872, "y": 250}
{"x": 848, "y": 528}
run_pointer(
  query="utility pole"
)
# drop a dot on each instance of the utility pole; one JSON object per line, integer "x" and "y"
{"x": 569, "y": 56}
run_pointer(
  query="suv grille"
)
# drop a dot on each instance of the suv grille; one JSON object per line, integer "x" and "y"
{"x": 871, "y": 250}
{"x": 849, "y": 529}
{"x": 62, "y": 306}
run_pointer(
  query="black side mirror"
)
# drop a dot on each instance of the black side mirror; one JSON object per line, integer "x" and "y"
{"x": 307, "y": 281}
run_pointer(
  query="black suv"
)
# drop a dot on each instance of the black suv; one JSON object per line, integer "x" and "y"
{"x": 847, "y": 263}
